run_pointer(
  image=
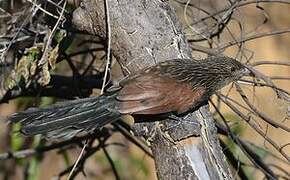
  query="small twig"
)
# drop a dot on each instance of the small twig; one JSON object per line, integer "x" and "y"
{"x": 71, "y": 65}
{"x": 259, "y": 113}
{"x": 107, "y": 11}
{"x": 117, "y": 177}
{"x": 82, "y": 161}
{"x": 40, "y": 150}
{"x": 258, "y": 130}
{"x": 84, "y": 52}
{"x": 236, "y": 102}
{"x": 287, "y": 173}
{"x": 236, "y": 163}
{"x": 241, "y": 5}
{"x": 268, "y": 153}
{"x": 254, "y": 158}
{"x": 56, "y": 5}
{"x": 131, "y": 138}
{"x": 253, "y": 37}
{"x": 279, "y": 78}
{"x": 210, "y": 51}
{"x": 281, "y": 94}
{"x": 257, "y": 84}
{"x": 273, "y": 62}
{"x": 86, "y": 154}
{"x": 104, "y": 79}
{"x": 49, "y": 39}
{"x": 77, "y": 161}
{"x": 38, "y": 6}
{"x": 5, "y": 50}
{"x": 188, "y": 23}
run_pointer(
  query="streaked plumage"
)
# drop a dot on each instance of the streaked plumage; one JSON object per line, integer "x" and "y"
{"x": 172, "y": 86}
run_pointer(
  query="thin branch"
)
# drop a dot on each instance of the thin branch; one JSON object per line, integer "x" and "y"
{"x": 77, "y": 161}
{"x": 241, "y": 4}
{"x": 281, "y": 169}
{"x": 259, "y": 113}
{"x": 88, "y": 153}
{"x": 59, "y": 86}
{"x": 236, "y": 163}
{"x": 210, "y": 51}
{"x": 254, "y": 158}
{"x": 43, "y": 149}
{"x": 38, "y": 6}
{"x": 268, "y": 81}
{"x": 107, "y": 12}
{"x": 253, "y": 37}
{"x": 117, "y": 177}
{"x": 273, "y": 62}
{"x": 259, "y": 84}
{"x": 49, "y": 39}
{"x": 104, "y": 80}
{"x": 82, "y": 161}
{"x": 257, "y": 129}
{"x": 236, "y": 102}
{"x": 83, "y": 52}
{"x": 268, "y": 153}
{"x": 131, "y": 138}
{"x": 279, "y": 78}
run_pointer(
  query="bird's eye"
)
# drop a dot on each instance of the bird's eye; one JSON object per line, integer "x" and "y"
{"x": 233, "y": 69}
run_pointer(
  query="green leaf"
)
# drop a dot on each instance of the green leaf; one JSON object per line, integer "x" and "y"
{"x": 33, "y": 170}
{"x": 16, "y": 139}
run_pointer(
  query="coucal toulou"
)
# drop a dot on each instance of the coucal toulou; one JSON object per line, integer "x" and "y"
{"x": 176, "y": 86}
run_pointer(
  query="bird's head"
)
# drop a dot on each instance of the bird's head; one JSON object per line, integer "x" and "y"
{"x": 211, "y": 73}
{"x": 223, "y": 70}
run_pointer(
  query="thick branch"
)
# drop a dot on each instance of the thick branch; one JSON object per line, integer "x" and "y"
{"x": 144, "y": 33}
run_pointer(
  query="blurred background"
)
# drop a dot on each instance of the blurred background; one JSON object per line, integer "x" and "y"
{"x": 264, "y": 26}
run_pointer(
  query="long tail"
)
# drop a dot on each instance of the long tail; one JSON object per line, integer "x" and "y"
{"x": 64, "y": 120}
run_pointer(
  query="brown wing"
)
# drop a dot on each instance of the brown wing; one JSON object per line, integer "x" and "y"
{"x": 152, "y": 94}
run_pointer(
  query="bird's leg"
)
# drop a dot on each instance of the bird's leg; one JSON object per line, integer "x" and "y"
{"x": 166, "y": 135}
{"x": 179, "y": 121}
{"x": 150, "y": 131}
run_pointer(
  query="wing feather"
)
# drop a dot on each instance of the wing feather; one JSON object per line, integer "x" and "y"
{"x": 156, "y": 95}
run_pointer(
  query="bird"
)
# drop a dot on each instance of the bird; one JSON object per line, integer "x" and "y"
{"x": 174, "y": 86}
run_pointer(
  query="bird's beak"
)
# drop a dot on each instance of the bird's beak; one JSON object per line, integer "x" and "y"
{"x": 248, "y": 72}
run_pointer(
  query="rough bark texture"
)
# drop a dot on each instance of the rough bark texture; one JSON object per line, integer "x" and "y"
{"x": 144, "y": 33}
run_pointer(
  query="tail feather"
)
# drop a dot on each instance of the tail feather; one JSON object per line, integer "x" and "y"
{"x": 66, "y": 119}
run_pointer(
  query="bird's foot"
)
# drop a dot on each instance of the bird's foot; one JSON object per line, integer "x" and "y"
{"x": 179, "y": 121}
